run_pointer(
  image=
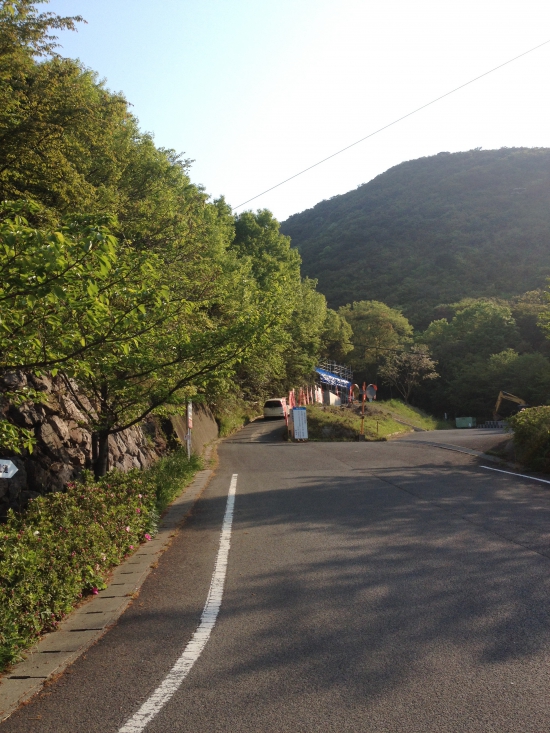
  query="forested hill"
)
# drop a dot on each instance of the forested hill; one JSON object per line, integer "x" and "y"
{"x": 432, "y": 231}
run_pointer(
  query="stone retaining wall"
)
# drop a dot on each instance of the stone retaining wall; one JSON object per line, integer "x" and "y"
{"x": 64, "y": 445}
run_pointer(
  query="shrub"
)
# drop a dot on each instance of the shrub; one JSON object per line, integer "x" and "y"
{"x": 532, "y": 437}
{"x": 63, "y": 545}
{"x": 169, "y": 474}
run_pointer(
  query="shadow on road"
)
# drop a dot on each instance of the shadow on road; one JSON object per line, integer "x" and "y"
{"x": 260, "y": 431}
{"x": 370, "y": 581}
{"x": 404, "y": 593}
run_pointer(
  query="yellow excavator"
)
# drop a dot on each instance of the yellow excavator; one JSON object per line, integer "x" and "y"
{"x": 511, "y": 398}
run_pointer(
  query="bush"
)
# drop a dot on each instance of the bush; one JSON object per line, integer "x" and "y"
{"x": 532, "y": 437}
{"x": 62, "y": 547}
{"x": 169, "y": 474}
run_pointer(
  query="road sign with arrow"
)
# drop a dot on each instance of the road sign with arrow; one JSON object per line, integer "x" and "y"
{"x": 7, "y": 468}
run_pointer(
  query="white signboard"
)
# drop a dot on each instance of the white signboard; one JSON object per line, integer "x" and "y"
{"x": 299, "y": 419}
{"x": 7, "y": 468}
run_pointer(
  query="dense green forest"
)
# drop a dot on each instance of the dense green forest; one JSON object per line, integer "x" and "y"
{"x": 433, "y": 231}
{"x": 119, "y": 275}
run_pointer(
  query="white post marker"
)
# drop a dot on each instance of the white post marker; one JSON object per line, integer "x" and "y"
{"x": 189, "y": 428}
{"x": 7, "y": 468}
{"x": 154, "y": 704}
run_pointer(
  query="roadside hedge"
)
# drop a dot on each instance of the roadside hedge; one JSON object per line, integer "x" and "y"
{"x": 62, "y": 547}
{"x": 532, "y": 437}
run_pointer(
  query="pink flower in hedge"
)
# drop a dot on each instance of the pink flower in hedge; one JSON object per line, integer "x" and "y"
{"x": 131, "y": 547}
{"x": 95, "y": 591}
{"x": 139, "y": 495}
{"x": 148, "y": 536}
{"x": 127, "y": 529}
{"x": 138, "y": 511}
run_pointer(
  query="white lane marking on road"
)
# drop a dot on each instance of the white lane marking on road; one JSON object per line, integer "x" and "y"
{"x": 511, "y": 473}
{"x": 152, "y": 706}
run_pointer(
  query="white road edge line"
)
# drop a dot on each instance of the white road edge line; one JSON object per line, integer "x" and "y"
{"x": 521, "y": 475}
{"x": 153, "y": 705}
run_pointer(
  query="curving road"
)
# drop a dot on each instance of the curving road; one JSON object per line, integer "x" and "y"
{"x": 372, "y": 587}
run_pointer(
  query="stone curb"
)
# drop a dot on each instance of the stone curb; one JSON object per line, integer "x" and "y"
{"x": 88, "y": 623}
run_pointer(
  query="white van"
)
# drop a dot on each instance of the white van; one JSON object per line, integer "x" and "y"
{"x": 275, "y": 407}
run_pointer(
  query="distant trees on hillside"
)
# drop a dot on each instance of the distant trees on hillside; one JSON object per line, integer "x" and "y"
{"x": 433, "y": 230}
{"x": 460, "y": 363}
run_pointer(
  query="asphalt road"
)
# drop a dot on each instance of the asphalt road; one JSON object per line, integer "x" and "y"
{"x": 373, "y": 587}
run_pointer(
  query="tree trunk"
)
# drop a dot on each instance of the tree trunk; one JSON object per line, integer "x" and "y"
{"x": 101, "y": 460}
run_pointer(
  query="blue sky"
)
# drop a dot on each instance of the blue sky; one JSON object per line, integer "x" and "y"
{"x": 255, "y": 90}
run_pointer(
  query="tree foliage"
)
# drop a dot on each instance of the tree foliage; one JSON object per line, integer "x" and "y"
{"x": 336, "y": 337}
{"x": 377, "y": 329}
{"x": 119, "y": 272}
{"x": 52, "y": 288}
{"x": 290, "y": 346}
{"x": 408, "y": 369}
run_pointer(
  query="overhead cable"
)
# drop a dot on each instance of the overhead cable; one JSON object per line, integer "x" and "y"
{"x": 390, "y": 124}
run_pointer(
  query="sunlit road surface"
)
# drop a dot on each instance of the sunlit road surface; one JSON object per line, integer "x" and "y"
{"x": 371, "y": 587}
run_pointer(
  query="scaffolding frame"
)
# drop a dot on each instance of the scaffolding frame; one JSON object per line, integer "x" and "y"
{"x": 340, "y": 370}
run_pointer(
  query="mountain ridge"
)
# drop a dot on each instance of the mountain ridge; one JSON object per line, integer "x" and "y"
{"x": 433, "y": 230}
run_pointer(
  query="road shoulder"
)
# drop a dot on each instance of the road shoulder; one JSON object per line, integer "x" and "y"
{"x": 57, "y": 650}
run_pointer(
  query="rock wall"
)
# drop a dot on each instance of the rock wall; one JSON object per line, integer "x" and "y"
{"x": 64, "y": 446}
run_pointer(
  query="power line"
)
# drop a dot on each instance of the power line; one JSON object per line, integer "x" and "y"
{"x": 409, "y": 114}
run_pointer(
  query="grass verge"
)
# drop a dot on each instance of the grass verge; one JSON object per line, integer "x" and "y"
{"x": 381, "y": 420}
{"x": 62, "y": 547}
{"x": 414, "y": 416}
{"x": 335, "y": 423}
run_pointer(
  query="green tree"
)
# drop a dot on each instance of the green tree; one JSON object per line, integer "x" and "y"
{"x": 59, "y": 128}
{"x": 197, "y": 316}
{"x": 336, "y": 338}
{"x": 51, "y": 284}
{"x": 475, "y": 330}
{"x": 26, "y": 32}
{"x": 377, "y": 330}
{"x": 406, "y": 370}
{"x": 288, "y": 352}
{"x": 480, "y": 327}
{"x": 305, "y": 330}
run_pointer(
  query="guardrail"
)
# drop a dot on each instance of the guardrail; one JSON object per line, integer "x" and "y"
{"x": 493, "y": 424}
